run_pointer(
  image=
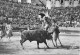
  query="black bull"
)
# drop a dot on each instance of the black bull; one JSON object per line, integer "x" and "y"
{"x": 36, "y": 35}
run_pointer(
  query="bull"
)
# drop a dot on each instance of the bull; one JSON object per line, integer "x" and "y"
{"x": 38, "y": 35}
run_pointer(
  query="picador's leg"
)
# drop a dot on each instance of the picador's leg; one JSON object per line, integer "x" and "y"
{"x": 47, "y": 28}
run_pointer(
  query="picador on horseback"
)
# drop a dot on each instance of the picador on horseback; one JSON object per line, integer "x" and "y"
{"x": 47, "y": 23}
{"x": 46, "y": 20}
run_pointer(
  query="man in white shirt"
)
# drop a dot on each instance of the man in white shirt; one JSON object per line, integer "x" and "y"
{"x": 9, "y": 30}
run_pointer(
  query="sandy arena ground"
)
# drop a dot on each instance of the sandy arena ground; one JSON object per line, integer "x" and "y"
{"x": 71, "y": 42}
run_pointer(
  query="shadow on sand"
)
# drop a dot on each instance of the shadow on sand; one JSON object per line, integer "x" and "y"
{"x": 68, "y": 47}
{"x": 63, "y": 47}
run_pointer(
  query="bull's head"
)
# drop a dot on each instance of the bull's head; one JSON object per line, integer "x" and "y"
{"x": 49, "y": 35}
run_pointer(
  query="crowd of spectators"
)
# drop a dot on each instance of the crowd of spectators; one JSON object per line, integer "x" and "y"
{"x": 66, "y": 14}
{"x": 24, "y": 14}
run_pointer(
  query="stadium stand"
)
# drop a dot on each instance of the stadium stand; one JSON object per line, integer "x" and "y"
{"x": 24, "y": 14}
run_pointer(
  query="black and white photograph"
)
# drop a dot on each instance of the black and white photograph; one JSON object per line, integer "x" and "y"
{"x": 39, "y": 27}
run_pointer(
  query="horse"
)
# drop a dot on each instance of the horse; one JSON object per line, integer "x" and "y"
{"x": 55, "y": 35}
{"x": 47, "y": 25}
